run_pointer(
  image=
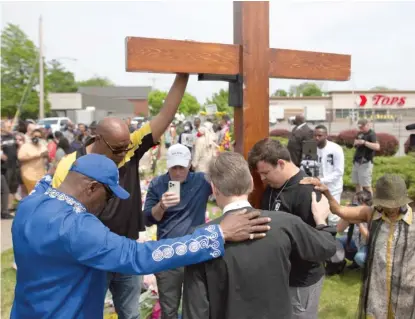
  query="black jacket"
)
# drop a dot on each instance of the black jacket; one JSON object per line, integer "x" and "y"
{"x": 251, "y": 280}
{"x": 295, "y": 142}
{"x": 295, "y": 199}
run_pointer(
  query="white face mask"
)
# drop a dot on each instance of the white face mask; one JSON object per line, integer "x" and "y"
{"x": 186, "y": 128}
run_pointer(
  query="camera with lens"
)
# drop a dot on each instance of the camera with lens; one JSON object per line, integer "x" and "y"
{"x": 309, "y": 163}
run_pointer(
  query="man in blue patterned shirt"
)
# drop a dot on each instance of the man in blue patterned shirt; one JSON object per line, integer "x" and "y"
{"x": 63, "y": 251}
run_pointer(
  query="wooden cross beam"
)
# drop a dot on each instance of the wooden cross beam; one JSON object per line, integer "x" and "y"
{"x": 251, "y": 58}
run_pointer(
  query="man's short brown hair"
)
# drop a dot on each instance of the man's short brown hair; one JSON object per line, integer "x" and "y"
{"x": 269, "y": 151}
{"x": 230, "y": 174}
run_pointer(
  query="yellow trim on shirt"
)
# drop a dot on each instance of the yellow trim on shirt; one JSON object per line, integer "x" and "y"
{"x": 136, "y": 140}
{"x": 389, "y": 259}
{"x": 66, "y": 163}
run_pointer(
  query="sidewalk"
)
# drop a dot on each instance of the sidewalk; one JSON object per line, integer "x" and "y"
{"x": 6, "y": 235}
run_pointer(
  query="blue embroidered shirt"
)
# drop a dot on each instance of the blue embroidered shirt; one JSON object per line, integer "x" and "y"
{"x": 63, "y": 252}
{"x": 186, "y": 216}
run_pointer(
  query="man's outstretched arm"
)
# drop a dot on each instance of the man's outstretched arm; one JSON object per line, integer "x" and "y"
{"x": 161, "y": 121}
{"x": 90, "y": 243}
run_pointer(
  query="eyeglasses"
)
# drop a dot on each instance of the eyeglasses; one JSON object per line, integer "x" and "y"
{"x": 114, "y": 151}
{"x": 110, "y": 194}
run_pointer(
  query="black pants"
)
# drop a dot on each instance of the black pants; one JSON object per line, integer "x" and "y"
{"x": 4, "y": 196}
{"x": 169, "y": 285}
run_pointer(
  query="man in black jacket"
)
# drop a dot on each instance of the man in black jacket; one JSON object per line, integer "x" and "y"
{"x": 300, "y": 133}
{"x": 284, "y": 193}
{"x": 252, "y": 280}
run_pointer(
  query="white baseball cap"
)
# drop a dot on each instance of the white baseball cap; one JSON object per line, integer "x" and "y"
{"x": 178, "y": 155}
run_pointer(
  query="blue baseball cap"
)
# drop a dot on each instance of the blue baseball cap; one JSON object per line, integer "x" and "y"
{"x": 101, "y": 169}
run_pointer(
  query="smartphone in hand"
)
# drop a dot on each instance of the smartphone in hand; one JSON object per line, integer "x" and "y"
{"x": 174, "y": 187}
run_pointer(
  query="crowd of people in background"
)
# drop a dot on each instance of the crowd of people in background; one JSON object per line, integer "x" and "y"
{"x": 204, "y": 140}
{"x": 30, "y": 151}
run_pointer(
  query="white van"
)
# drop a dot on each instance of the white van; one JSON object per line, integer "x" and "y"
{"x": 56, "y": 123}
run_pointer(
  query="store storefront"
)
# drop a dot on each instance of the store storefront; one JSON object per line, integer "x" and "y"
{"x": 343, "y": 105}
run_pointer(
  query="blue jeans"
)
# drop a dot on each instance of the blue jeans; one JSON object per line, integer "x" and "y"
{"x": 125, "y": 290}
{"x": 359, "y": 254}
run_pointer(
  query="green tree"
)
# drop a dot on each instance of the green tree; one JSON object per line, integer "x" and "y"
{"x": 96, "y": 81}
{"x": 19, "y": 74}
{"x": 188, "y": 106}
{"x": 221, "y": 100}
{"x": 280, "y": 92}
{"x": 59, "y": 80}
{"x": 381, "y": 88}
{"x": 305, "y": 89}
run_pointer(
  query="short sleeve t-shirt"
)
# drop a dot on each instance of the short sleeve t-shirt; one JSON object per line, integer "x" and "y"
{"x": 364, "y": 153}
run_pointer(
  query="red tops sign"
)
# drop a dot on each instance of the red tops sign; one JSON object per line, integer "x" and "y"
{"x": 383, "y": 100}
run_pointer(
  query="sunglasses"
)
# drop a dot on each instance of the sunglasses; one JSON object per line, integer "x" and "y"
{"x": 115, "y": 151}
{"x": 110, "y": 194}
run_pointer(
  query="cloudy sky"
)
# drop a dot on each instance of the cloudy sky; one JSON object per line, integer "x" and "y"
{"x": 379, "y": 36}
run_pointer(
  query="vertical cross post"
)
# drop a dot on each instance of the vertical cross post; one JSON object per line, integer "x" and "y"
{"x": 251, "y": 32}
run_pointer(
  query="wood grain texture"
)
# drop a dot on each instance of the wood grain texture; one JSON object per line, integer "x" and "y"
{"x": 251, "y": 32}
{"x": 294, "y": 64}
{"x": 174, "y": 56}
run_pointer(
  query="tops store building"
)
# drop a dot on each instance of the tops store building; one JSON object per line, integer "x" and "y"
{"x": 344, "y": 105}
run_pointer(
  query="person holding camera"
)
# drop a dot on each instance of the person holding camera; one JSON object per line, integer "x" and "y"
{"x": 33, "y": 156}
{"x": 176, "y": 202}
{"x": 366, "y": 146}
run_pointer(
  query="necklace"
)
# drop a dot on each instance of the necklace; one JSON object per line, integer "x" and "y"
{"x": 278, "y": 195}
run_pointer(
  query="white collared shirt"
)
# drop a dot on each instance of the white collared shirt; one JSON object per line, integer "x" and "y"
{"x": 236, "y": 205}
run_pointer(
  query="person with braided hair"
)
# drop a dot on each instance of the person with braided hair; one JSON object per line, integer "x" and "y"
{"x": 388, "y": 287}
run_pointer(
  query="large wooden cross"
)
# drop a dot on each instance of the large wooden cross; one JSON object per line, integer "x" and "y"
{"x": 249, "y": 61}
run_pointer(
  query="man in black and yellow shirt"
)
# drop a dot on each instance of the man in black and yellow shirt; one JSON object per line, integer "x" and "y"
{"x": 124, "y": 217}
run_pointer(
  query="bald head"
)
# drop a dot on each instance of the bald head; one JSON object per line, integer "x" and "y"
{"x": 113, "y": 128}
{"x": 112, "y": 139}
{"x": 299, "y": 119}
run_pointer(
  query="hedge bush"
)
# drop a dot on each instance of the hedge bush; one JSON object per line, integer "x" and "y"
{"x": 280, "y": 133}
{"x": 389, "y": 144}
{"x": 402, "y": 165}
{"x": 346, "y": 138}
{"x": 332, "y": 138}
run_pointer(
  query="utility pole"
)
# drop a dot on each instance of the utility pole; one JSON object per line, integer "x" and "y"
{"x": 41, "y": 80}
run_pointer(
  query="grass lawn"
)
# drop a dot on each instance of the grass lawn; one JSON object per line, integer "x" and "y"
{"x": 338, "y": 301}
